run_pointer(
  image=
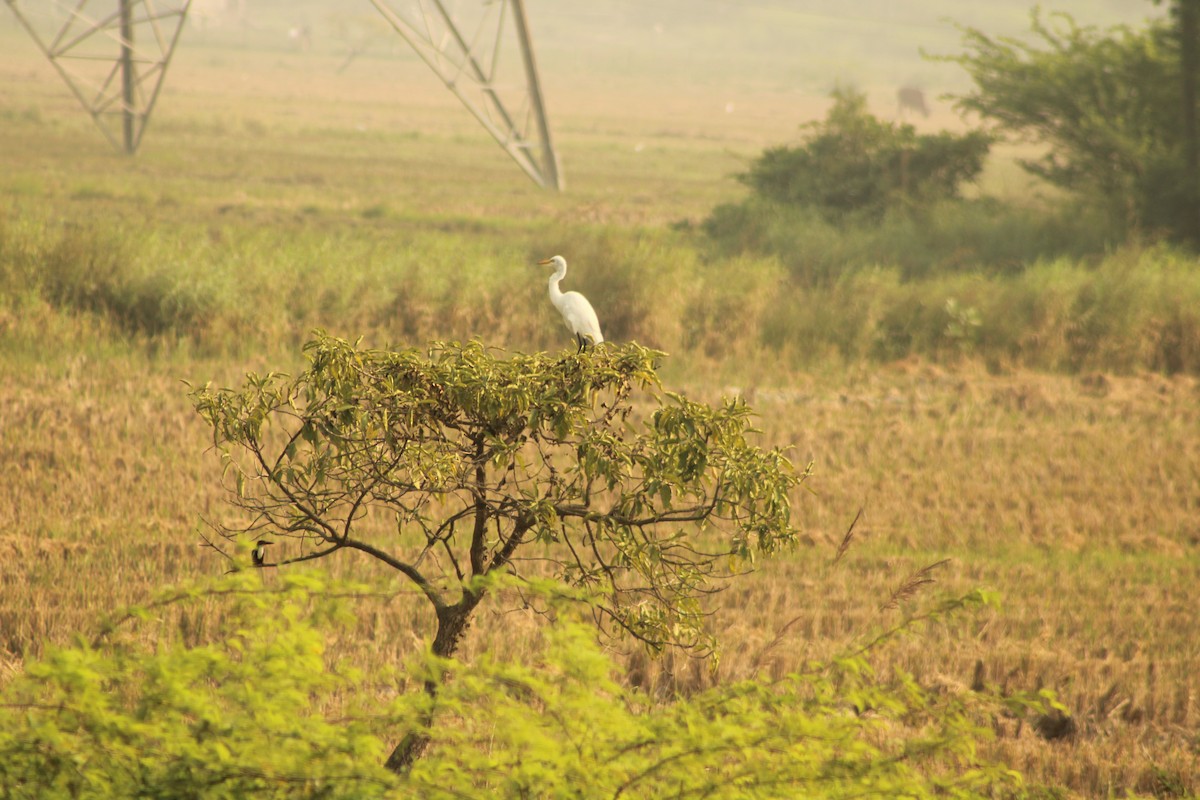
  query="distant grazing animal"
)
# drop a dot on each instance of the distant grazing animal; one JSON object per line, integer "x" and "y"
{"x": 577, "y": 312}
{"x": 301, "y": 36}
{"x": 910, "y": 98}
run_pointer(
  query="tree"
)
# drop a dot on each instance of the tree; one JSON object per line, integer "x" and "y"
{"x": 455, "y": 465}
{"x": 1107, "y": 107}
{"x": 1187, "y": 19}
{"x": 855, "y": 163}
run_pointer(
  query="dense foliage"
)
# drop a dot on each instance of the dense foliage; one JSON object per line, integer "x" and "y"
{"x": 855, "y": 164}
{"x": 835, "y": 730}
{"x": 262, "y": 710}
{"x": 1106, "y": 105}
{"x": 237, "y": 717}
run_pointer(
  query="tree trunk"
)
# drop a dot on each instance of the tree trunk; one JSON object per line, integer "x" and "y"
{"x": 1189, "y": 32}
{"x": 453, "y": 622}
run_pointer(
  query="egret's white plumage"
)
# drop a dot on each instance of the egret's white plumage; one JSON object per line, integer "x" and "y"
{"x": 577, "y": 312}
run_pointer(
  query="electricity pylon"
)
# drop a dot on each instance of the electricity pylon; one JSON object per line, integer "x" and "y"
{"x": 476, "y": 71}
{"x": 113, "y": 54}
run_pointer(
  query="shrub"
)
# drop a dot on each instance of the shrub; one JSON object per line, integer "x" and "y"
{"x": 854, "y": 164}
{"x": 568, "y": 728}
{"x": 262, "y": 711}
{"x": 238, "y": 717}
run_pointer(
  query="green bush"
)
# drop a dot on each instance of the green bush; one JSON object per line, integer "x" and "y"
{"x": 568, "y": 728}
{"x": 854, "y": 164}
{"x": 262, "y": 711}
{"x": 238, "y": 717}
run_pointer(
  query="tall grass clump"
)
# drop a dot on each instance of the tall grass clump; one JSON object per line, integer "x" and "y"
{"x": 982, "y": 235}
{"x": 729, "y": 299}
{"x": 236, "y": 285}
{"x": 79, "y": 268}
{"x": 1138, "y": 308}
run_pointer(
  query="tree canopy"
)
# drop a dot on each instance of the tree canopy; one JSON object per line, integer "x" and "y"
{"x": 1107, "y": 106}
{"x": 457, "y": 463}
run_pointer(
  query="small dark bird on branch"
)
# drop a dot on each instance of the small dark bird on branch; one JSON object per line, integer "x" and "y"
{"x": 260, "y": 552}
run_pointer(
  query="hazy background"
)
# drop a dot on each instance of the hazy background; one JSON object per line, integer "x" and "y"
{"x": 746, "y": 71}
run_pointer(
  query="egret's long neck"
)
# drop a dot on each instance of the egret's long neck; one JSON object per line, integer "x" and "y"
{"x": 556, "y": 293}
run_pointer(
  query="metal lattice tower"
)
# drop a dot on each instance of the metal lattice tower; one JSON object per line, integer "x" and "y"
{"x": 505, "y": 97}
{"x": 113, "y": 54}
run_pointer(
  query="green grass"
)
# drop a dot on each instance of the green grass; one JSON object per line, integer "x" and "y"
{"x": 257, "y": 280}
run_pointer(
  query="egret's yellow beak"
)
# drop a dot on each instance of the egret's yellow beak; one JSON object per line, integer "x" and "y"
{"x": 544, "y": 262}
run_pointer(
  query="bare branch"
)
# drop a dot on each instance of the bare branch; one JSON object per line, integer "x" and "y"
{"x": 407, "y": 570}
{"x": 481, "y": 511}
{"x": 296, "y": 502}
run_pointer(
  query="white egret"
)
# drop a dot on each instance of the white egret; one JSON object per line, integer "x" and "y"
{"x": 577, "y": 312}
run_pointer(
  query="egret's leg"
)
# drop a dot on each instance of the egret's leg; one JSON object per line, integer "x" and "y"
{"x": 582, "y": 342}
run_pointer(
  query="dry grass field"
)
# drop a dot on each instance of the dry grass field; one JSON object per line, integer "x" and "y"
{"x": 1075, "y": 497}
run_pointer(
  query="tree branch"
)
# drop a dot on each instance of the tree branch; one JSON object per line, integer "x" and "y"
{"x": 295, "y": 501}
{"x": 504, "y": 555}
{"x": 405, "y": 569}
{"x": 692, "y": 514}
{"x": 479, "y": 534}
